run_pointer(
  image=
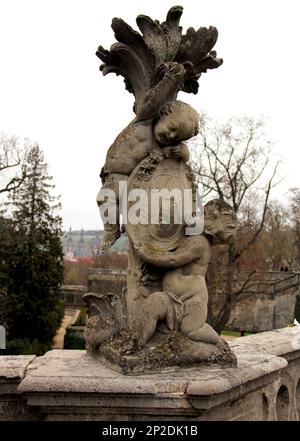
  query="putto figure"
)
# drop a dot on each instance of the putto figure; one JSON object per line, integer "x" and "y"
{"x": 160, "y": 319}
{"x": 182, "y": 303}
{"x": 157, "y": 126}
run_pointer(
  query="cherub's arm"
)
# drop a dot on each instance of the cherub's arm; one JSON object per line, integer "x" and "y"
{"x": 194, "y": 248}
{"x": 158, "y": 95}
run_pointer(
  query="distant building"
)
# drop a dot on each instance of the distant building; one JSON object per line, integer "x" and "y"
{"x": 85, "y": 243}
{"x": 82, "y": 249}
{"x": 81, "y": 243}
{"x": 69, "y": 253}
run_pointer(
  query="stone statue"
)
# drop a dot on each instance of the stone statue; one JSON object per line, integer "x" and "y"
{"x": 160, "y": 320}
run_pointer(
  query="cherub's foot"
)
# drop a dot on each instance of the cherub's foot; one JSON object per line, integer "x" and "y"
{"x": 109, "y": 238}
{"x": 105, "y": 246}
{"x": 222, "y": 344}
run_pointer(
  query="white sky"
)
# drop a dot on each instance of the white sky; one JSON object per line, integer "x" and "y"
{"x": 52, "y": 91}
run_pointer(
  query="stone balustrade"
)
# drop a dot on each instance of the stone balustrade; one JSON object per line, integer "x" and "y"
{"x": 71, "y": 385}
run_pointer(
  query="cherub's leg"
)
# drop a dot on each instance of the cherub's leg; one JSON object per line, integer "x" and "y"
{"x": 110, "y": 236}
{"x": 193, "y": 324}
{"x": 153, "y": 309}
{"x": 108, "y": 203}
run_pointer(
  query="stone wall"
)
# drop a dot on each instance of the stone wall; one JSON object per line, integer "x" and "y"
{"x": 71, "y": 385}
{"x": 99, "y": 281}
{"x": 107, "y": 280}
{"x": 72, "y": 295}
{"x": 268, "y": 303}
{"x": 262, "y": 312}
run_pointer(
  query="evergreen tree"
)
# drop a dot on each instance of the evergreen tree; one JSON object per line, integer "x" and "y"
{"x": 36, "y": 264}
{"x": 6, "y": 251}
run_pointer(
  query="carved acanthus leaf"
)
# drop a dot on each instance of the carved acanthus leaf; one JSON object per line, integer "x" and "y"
{"x": 140, "y": 58}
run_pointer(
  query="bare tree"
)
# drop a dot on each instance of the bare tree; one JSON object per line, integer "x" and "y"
{"x": 13, "y": 171}
{"x": 294, "y": 208}
{"x": 277, "y": 237}
{"x": 233, "y": 162}
{"x": 12, "y": 163}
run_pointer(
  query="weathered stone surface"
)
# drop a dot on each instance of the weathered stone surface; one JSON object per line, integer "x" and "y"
{"x": 88, "y": 383}
{"x": 250, "y": 367}
{"x": 12, "y": 371}
{"x": 71, "y": 385}
{"x": 13, "y": 367}
{"x": 280, "y": 342}
{"x": 173, "y": 350}
{"x": 76, "y": 372}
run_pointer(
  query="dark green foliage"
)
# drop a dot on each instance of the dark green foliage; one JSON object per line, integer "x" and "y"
{"x": 24, "y": 346}
{"x": 297, "y": 309}
{"x": 34, "y": 261}
{"x": 7, "y": 248}
{"x": 74, "y": 339}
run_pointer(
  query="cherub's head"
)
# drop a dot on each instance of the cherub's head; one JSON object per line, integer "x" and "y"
{"x": 219, "y": 221}
{"x": 177, "y": 122}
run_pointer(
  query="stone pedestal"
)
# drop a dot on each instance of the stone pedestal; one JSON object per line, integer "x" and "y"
{"x": 12, "y": 404}
{"x": 71, "y": 385}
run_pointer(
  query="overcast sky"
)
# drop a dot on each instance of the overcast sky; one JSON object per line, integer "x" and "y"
{"x": 52, "y": 91}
